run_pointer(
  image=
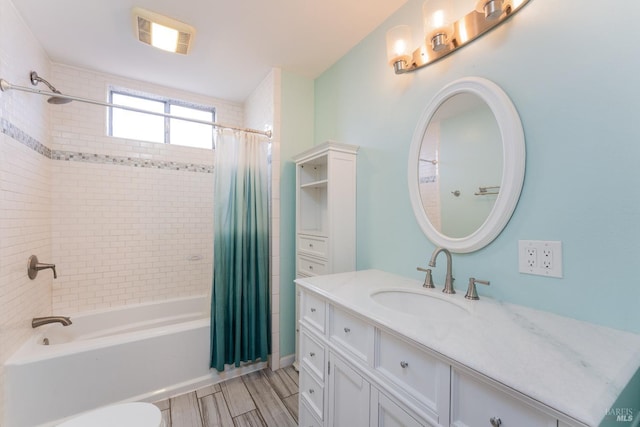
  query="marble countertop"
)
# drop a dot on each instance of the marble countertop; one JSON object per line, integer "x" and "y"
{"x": 574, "y": 367}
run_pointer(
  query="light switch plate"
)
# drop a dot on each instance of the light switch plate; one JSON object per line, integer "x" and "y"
{"x": 539, "y": 257}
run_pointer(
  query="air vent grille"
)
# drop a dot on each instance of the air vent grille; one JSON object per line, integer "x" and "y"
{"x": 142, "y": 22}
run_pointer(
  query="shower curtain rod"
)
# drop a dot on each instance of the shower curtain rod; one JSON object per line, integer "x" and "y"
{"x": 5, "y": 85}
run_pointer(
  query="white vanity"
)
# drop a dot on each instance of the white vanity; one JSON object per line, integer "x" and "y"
{"x": 380, "y": 350}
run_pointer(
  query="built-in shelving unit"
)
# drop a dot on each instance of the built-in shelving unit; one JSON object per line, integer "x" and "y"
{"x": 325, "y": 211}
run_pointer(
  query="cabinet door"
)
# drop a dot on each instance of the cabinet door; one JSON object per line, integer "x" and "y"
{"x": 306, "y": 418}
{"x": 348, "y": 395}
{"x": 386, "y": 413}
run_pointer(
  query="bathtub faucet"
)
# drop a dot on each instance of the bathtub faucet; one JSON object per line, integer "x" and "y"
{"x": 39, "y": 321}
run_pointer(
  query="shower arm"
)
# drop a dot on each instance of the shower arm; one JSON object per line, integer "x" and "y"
{"x": 6, "y": 86}
{"x": 35, "y": 79}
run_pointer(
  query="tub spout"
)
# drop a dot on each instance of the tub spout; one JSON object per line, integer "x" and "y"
{"x": 39, "y": 321}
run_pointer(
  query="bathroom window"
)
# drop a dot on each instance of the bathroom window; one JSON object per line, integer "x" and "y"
{"x": 152, "y": 128}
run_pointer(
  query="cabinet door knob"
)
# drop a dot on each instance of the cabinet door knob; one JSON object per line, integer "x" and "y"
{"x": 347, "y": 330}
{"x": 313, "y": 310}
{"x": 310, "y": 245}
{"x": 311, "y": 391}
{"x": 495, "y": 422}
{"x": 404, "y": 364}
{"x": 312, "y": 354}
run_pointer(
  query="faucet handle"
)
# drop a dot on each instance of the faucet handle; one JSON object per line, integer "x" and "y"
{"x": 428, "y": 280}
{"x": 471, "y": 290}
{"x": 33, "y": 266}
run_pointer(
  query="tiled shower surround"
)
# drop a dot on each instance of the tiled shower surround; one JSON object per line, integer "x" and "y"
{"x": 132, "y": 221}
{"x": 124, "y": 221}
{"x": 124, "y": 230}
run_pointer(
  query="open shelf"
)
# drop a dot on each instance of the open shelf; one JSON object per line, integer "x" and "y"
{"x": 316, "y": 184}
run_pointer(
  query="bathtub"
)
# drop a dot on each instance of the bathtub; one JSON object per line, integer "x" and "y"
{"x": 145, "y": 352}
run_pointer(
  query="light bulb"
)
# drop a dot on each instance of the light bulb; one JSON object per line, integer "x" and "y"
{"x": 399, "y": 46}
{"x": 438, "y": 23}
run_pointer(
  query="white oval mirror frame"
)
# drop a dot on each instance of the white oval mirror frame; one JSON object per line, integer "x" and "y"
{"x": 513, "y": 160}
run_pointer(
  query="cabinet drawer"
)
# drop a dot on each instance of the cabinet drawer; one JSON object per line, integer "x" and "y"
{"x": 312, "y": 267}
{"x": 312, "y": 354}
{"x": 312, "y": 392}
{"x": 416, "y": 371}
{"x": 312, "y": 245}
{"x": 352, "y": 334}
{"x": 475, "y": 402}
{"x": 313, "y": 311}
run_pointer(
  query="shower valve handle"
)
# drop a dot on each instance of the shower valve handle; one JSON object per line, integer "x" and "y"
{"x": 33, "y": 266}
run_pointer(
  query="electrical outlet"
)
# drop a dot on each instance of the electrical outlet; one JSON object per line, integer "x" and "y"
{"x": 543, "y": 258}
{"x": 531, "y": 257}
{"x": 547, "y": 258}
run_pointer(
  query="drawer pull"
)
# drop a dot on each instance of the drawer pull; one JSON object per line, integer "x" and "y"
{"x": 310, "y": 245}
{"x": 311, "y": 391}
{"x": 312, "y": 354}
{"x": 313, "y": 310}
{"x": 347, "y": 330}
{"x": 404, "y": 364}
{"x": 495, "y": 422}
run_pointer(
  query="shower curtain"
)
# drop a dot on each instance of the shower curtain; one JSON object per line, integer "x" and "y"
{"x": 240, "y": 324}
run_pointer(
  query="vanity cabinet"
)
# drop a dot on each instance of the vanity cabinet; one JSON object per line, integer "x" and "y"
{"x": 355, "y": 372}
{"x": 325, "y": 211}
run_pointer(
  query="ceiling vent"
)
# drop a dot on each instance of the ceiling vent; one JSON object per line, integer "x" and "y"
{"x": 162, "y": 32}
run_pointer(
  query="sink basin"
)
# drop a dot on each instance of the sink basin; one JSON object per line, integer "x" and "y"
{"x": 421, "y": 304}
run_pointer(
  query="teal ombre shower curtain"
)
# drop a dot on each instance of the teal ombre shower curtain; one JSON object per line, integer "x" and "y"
{"x": 240, "y": 324}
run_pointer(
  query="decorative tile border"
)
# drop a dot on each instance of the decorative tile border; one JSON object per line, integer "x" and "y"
{"x": 72, "y": 156}
{"x": 16, "y": 133}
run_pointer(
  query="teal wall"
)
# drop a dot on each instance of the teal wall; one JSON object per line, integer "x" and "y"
{"x": 572, "y": 69}
{"x": 296, "y": 132}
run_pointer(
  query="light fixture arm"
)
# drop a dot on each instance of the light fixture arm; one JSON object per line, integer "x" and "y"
{"x": 490, "y": 15}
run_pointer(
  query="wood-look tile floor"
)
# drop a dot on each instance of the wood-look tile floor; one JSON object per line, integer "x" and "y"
{"x": 260, "y": 399}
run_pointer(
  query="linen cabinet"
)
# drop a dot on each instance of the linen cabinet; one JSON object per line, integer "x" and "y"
{"x": 325, "y": 213}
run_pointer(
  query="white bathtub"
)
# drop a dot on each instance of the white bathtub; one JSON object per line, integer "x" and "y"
{"x": 145, "y": 352}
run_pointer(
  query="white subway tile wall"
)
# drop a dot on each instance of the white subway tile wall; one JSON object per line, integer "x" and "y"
{"x": 124, "y": 235}
{"x": 25, "y": 225}
{"x": 132, "y": 221}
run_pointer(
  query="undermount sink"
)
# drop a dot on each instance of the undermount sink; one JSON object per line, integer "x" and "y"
{"x": 420, "y": 303}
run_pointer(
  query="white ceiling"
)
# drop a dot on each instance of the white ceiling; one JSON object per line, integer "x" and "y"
{"x": 236, "y": 44}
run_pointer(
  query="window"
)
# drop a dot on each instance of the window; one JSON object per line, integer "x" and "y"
{"x": 148, "y": 127}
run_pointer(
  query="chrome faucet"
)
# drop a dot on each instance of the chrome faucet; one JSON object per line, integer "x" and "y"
{"x": 448, "y": 281}
{"x": 39, "y": 321}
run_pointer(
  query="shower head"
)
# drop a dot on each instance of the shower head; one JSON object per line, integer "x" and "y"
{"x": 35, "y": 79}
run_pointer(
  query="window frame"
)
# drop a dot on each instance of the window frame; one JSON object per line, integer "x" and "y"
{"x": 168, "y": 102}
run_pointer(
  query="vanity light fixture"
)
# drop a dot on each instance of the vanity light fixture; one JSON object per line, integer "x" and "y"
{"x": 443, "y": 35}
{"x": 162, "y": 32}
{"x": 438, "y": 23}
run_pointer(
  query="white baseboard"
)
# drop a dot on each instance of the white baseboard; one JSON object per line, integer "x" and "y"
{"x": 287, "y": 360}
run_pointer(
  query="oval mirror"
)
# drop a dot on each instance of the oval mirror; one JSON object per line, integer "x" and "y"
{"x": 466, "y": 165}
